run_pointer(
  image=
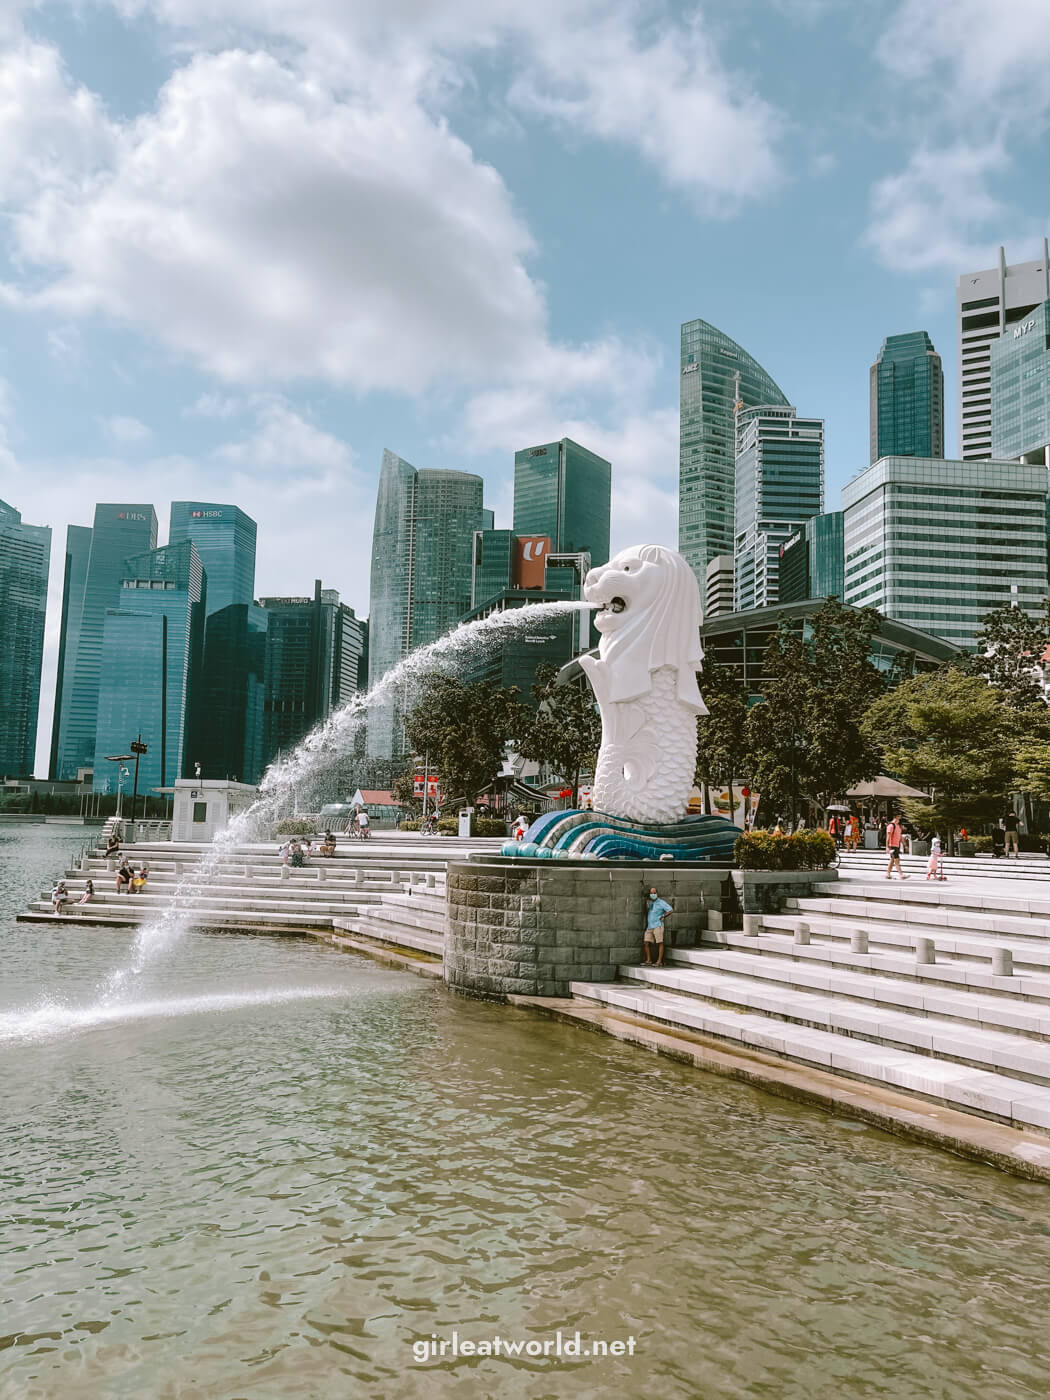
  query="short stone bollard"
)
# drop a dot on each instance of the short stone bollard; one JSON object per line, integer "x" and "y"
{"x": 858, "y": 941}
{"x": 925, "y": 951}
{"x": 1002, "y": 962}
{"x": 111, "y": 863}
{"x": 285, "y": 872}
{"x": 801, "y": 931}
{"x": 753, "y": 924}
{"x": 322, "y": 874}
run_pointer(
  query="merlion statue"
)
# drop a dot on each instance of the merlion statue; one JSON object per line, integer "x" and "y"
{"x": 644, "y": 680}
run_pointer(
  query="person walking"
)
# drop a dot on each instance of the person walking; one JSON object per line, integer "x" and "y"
{"x": 656, "y": 911}
{"x": 894, "y": 837}
{"x": 1010, "y": 825}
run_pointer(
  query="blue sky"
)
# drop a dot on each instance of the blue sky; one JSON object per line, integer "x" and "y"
{"x": 249, "y": 243}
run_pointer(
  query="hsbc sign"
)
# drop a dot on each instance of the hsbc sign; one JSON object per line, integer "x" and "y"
{"x": 205, "y": 514}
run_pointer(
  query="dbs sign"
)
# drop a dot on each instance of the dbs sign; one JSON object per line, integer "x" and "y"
{"x": 530, "y": 560}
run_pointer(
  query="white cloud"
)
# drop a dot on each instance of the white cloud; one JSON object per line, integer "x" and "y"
{"x": 940, "y": 213}
{"x": 285, "y": 442}
{"x": 126, "y": 432}
{"x": 7, "y": 457}
{"x": 976, "y": 51}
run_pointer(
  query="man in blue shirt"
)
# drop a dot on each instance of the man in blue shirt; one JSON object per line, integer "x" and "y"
{"x": 656, "y": 912}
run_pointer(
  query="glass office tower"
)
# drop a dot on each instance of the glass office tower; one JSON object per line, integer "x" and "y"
{"x": 25, "y": 561}
{"x": 990, "y": 305}
{"x": 940, "y": 544}
{"x": 224, "y": 537}
{"x": 779, "y": 485}
{"x": 812, "y": 563}
{"x": 422, "y": 572}
{"x": 228, "y": 705}
{"x": 717, "y": 376}
{"x": 563, "y": 491}
{"x": 315, "y": 656}
{"x": 1020, "y": 363}
{"x": 78, "y": 552}
{"x": 906, "y": 411}
{"x": 151, "y": 648}
{"x": 118, "y": 533}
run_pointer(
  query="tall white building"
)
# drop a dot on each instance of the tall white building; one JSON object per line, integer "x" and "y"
{"x": 779, "y": 486}
{"x": 940, "y": 544}
{"x": 718, "y": 586}
{"x": 987, "y": 304}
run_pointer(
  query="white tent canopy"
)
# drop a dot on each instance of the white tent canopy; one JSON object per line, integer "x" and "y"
{"x": 884, "y": 787}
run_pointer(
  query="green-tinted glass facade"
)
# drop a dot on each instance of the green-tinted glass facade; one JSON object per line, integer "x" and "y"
{"x": 78, "y": 552}
{"x": 224, "y": 537}
{"x": 493, "y": 561}
{"x": 227, "y": 732}
{"x": 1020, "y": 365}
{"x": 564, "y": 491}
{"x": 812, "y": 562}
{"x": 716, "y": 375}
{"x": 118, "y": 532}
{"x": 422, "y": 572}
{"x": 940, "y": 544}
{"x": 151, "y": 653}
{"x": 907, "y": 398}
{"x": 25, "y": 561}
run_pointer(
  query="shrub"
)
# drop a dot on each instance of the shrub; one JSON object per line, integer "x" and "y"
{"x": 448, "y": 826}
{"x": 1028, "y": 841}
{"x": 489, "y": 826}
{"x": 805, "y": 850}
{"x": 295, "y": 826}
{"x": 983, "y": 845}
{"x": 410, "y": 826}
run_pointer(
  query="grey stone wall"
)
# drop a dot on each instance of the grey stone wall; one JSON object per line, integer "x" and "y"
{"x": 764, "y": 891}
{"x": 532, "y": 927}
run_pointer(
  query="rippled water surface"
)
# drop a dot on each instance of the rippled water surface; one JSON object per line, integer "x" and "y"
{"x": 276, "y": 1166}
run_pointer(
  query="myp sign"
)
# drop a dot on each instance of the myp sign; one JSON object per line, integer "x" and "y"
{"x": 1024, "y": 328}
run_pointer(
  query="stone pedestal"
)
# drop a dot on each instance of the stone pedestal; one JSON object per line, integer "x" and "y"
{"x": 531, "y": 927}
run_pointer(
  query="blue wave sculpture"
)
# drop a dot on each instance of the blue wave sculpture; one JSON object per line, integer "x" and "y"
{"x": 597, "y": 836}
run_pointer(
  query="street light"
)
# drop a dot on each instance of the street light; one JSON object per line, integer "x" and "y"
{"x": 122, "y": 773}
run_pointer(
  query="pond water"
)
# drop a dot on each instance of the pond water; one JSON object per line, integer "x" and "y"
{"x": 273, "y": 1167}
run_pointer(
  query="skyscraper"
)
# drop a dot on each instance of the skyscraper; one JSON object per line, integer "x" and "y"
{"x": 151, "y": 647}
{"x": 907, "y": 398}
{"x": 1020, "y": 363}
{"x": 717, "y": 375}
{"x": 422, "y": 564}
{"x": 314, "y": 652}
{"x": 563, "y": 491}
{"x": 987, "y": 305}
{"x": 224, "y": 537}
{"x": 939, "y": 544}
{"x": 812, "y": 561}
{"x": 779, "y": 485}
{"x": 25, "y": 560}
{"x": 227, "y": 727}
{"x": 118, "y": 533}
{"x": 78, "y": 553}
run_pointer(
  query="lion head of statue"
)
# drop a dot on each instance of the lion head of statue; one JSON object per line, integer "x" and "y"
{"x": 648, "y": 615}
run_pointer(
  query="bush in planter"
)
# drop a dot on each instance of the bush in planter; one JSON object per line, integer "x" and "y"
{"x": 295, "y": 826}
{"x": 983, "y": 845}
{"x": 448, "y": 826}
{"x": 411, "y": 826}
{"x": 488, "y": 826}
{"x": 805, "y": 850}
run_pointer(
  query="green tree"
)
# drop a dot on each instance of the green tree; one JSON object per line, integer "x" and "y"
{"x": 565, "y": 730}
{"x": 1009, "y": 646}
{"x": 721, "y": 734}
{"x": 805, "y": 737}
{"x": 465, "y": 729}
{"x": 953, "y": 733}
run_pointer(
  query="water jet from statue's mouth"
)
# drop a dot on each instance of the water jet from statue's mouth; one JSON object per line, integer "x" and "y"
{"x": 614, "y": 605}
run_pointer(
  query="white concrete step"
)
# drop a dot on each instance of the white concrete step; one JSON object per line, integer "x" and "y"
{"x": 885, "y": 938}
{"x": 397, "y": 935}
{"x": 995, "y": 1094}
{"x": 960, "y": 971}
{"x": 391, "y": 913}
{"x": 986, "y": 1008}
{"x": 940, "y": 899}
{"x": 202, "y": 916}
{"x": 1028, "y": 867}
{"x": 1019, "y": 923}
{"x": 1000, "y": 1051}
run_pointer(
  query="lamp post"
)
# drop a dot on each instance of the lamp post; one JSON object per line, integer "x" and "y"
{"x": 138, "y": 748}
{"x": 120, "y": 759}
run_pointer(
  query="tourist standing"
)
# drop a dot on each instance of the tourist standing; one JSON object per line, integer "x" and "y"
{"x": 1010, "y": 827}
{"x": 894, "y": 836}
{"x": 935, "y": 865}
{"x": 656, "y": 912}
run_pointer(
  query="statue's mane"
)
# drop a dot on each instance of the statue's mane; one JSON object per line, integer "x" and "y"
{"x": 665, "y": 634}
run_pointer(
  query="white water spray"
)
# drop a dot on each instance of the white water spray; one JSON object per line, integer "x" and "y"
{"x": 329, "y": 741}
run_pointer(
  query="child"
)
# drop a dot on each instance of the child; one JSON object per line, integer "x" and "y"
{"x": 935, "y": 867}
{"x": 89, "y": 893}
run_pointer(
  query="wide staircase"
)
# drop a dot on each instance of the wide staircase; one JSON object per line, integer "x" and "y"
{"x": 940, "y": 990}
{"x": 387, "y": 890}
